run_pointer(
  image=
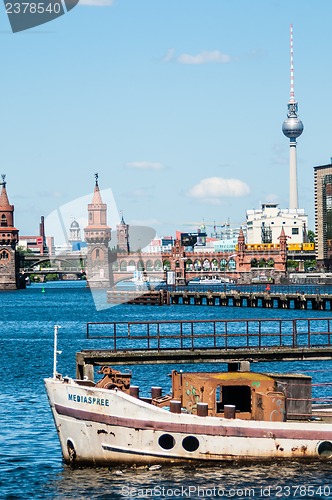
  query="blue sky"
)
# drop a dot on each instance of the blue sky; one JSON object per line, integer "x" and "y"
{"x": 159, "y": 97}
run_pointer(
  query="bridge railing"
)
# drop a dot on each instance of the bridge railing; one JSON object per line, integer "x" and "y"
{"x": 213, "y": 334}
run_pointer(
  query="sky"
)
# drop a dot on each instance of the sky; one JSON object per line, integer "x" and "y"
{"x": 177, "y": 104}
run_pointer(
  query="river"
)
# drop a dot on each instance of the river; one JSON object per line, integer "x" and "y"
{"x": 31, "y": 462}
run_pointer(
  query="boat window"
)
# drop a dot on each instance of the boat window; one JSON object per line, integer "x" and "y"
{"x": 190, "y": 443}
{"x": 237, "y": 395}
{"x": 219, "y": 405}
{"x": 166, "y": 441}
{"x": 325, "y": 449}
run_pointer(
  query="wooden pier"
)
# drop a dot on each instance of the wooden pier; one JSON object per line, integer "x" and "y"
{"x": 233, "y": 298}
{"x": 152, "y": 297}
{"x": 201, "y": 341}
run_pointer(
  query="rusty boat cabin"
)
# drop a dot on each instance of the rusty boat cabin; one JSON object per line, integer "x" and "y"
{"x": 237, "y": 393}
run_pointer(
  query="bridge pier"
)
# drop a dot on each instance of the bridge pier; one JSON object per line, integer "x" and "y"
{"x": 300, "y": 302}
{"x": 197, "y": 299}
{"x": 283, "y": 302}
{"x": 318, "y": 303}
{"x": 237, "y": 299}
{"x": 185, "y": 299}
{"x": 210, "y": 299}
{"x": 223, "y": 300}
{"x": 174, "y": 298}
{"x": 252, "y": 301}
{"x": 267, "y": 301}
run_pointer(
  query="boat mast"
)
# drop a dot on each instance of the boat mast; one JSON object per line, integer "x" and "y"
{"x": 55, "y": 349}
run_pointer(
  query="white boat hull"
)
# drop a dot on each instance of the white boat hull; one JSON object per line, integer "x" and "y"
{"x": 102, "y": 427}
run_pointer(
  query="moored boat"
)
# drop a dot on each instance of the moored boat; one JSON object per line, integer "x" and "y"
{"x": 208, "y": 416}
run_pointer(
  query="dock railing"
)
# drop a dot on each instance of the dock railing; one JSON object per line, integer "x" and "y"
{"x": 309, "y": 333}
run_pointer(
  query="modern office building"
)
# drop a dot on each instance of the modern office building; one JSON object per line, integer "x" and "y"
{"x": 323, "y": 215}
{"x": 264, "y": 225}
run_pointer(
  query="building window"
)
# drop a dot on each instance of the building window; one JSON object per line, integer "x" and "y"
{"x": 4, "y": 255}
{"x": 4, "y": 222}
{"x": 295, "y": 230}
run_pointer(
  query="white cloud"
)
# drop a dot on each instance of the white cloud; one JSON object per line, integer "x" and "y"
{"x": 212, "y": 189}
{"x": 213, "y": 56}
{"x": 97, "y": 3}
{"x": 145, "y": 165}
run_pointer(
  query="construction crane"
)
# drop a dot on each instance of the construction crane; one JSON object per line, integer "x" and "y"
{"x": 215, "y": 233}
{"x": 203, "y": 225}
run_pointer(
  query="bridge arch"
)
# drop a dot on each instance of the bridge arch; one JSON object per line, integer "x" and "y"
{"x": 37, "y": 260}
{"x": 123, "y": 265}
{"x": 158, "y": 265}
{"x": 197, "y": 265}
{"x": 206, "y": 265}
{"x": 140, "y": 265}
{"x": 149, "y": 265}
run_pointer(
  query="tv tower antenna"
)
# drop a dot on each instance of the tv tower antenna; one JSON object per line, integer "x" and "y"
{"x": 292, "y": 128}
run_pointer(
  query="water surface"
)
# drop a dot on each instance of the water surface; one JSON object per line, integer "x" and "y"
{"x": 31, "y": 462}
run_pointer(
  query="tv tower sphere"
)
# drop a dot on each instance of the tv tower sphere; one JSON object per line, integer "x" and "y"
{"x": 292, "y": 127}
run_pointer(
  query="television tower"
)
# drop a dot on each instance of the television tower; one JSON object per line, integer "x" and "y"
{"x": 292, "y": 128}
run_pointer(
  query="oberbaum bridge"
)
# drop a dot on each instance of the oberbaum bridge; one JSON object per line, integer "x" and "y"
{"x": 182, "y": 341}
{"x": 104, "y": 267}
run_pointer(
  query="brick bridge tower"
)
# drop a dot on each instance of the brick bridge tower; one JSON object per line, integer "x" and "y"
{"x": 122, "y": 231}
{"x": 98, "y": 236}
{"x": 9, "y": 265}
{"x": 251, "y": 259}
{"x": 283, "y": 247}
{"x": 178, "y": 263}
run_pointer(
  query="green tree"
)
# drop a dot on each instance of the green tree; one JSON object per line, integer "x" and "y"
{"x": 311, "y": 236}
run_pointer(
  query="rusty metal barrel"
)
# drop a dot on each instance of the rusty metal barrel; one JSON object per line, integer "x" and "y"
{"x": 175, "y": 406}
{"x": 134, "y": 391}
{"x": 229, "y": 411}
{"x": 202, "y": 409}
{"x": 156, "y": 392}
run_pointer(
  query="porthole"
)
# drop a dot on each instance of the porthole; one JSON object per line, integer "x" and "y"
{"x": 325, "y": 449}
{"x": 166, "y": 441}
{"x": 71, "y": 451}
{"x": 190, "y": 443}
